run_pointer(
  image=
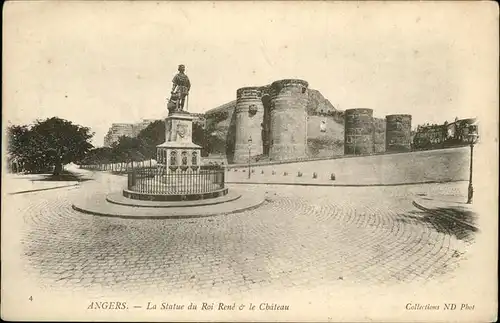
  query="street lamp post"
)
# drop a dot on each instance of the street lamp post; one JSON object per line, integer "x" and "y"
{"x": 472, "y": 138}
{"x": 249, "y": 150}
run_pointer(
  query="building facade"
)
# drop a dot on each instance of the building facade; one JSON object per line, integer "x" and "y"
{"x": 118, "y": 130}
{"x": 444, "y": 135}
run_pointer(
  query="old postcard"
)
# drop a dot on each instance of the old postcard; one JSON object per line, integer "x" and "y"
{"x": 250, "y": 161}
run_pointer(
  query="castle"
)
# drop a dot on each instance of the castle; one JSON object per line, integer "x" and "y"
{"x": 288, "y": 120}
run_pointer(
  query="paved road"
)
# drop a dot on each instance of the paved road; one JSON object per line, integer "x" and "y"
{"x": 302, "y": 238}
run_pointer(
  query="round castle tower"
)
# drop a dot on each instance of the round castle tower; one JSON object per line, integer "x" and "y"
{"x": 249, "y": 122}
{"x": 358, "y": 131}
{"x": 288, "y": 119}
{"x": 398, "y": 132}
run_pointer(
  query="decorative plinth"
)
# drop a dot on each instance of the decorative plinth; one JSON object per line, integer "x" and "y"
{"x": 178, "y": 150}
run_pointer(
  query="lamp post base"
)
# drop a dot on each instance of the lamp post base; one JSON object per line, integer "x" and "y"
{"x": 470, "y": 194}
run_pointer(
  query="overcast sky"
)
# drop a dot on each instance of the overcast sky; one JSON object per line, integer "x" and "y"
{"x": 96, "y": 63}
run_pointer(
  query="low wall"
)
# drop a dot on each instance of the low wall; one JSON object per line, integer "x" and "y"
{"x": 412, "y": 167}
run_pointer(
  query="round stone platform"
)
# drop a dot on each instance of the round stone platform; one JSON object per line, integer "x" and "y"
{"x": 174, "y": 197}
{"x": 120, "y": 199}
{"x": 101, "y": 205}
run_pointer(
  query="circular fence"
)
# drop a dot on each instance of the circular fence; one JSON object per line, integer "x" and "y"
{"x": 176, "y": 183}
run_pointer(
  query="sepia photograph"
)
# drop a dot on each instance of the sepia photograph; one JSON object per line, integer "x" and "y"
{"x": 329, "y": 161}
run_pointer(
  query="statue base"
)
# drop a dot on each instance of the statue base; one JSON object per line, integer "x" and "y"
{"x": 178, "y": 148}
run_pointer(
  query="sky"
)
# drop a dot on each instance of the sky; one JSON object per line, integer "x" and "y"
{"x": 96, "y": 63}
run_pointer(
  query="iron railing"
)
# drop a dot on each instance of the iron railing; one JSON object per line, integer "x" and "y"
{"x": 180, "y": 180}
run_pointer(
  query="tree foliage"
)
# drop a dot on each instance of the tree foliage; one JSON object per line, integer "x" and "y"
{"x": 151, "y": 136}
{"x": 49, "y": 143}
{"x": 143, "y": 147}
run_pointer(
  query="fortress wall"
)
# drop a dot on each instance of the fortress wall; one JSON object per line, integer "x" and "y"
{"x": 325, "y": 142}
{"x": 378, "y": 135}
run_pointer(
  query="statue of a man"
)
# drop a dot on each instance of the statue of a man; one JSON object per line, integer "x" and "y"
{"x": 180, "y": 87}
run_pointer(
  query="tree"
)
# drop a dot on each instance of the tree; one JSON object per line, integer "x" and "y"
{"x": 128, "y": 149}
{"x": 151, "y": 136}
{"x": 199, "y": 136}
{"x": 17, "y": 139}
{"x": 53, "y": 142}
{"x": 98, "y": 155}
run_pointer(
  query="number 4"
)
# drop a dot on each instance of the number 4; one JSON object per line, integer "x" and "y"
{"x": 31, "y": 298}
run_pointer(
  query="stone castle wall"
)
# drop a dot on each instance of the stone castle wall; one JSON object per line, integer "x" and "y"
{"x": 220, "y": 127}
{"x": 378, "y": 135}
{"x": 293, "y": 121}
{"x": 325, "y": 136}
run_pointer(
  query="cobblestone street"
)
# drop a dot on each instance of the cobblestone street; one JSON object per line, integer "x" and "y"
{"x": 301, "y": 237}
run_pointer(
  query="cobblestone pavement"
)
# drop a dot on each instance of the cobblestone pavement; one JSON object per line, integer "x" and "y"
{"x": 300, "y": 238}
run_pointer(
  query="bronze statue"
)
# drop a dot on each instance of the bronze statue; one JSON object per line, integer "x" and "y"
{"x": 180, "y": 89}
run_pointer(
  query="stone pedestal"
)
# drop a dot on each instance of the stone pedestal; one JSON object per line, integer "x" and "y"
{"x": 178, "y": 150}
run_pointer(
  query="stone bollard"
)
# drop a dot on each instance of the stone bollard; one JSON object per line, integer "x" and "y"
{"x": 262, "y": 171}
{"x": 299, "y": 174}
{"x": 315, "y": 175}
{"x": 332, "y": 176}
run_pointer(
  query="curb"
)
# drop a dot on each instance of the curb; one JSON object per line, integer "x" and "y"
{"x": 348, "y": 185}
{"x": 173, "y": 217}
{"x": 435, "y": 213}
{"x": 43, "y": 189}
{"x": 119, "y": 199}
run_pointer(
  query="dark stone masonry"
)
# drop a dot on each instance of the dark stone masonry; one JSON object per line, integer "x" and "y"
{"x": 288, "y": 120}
